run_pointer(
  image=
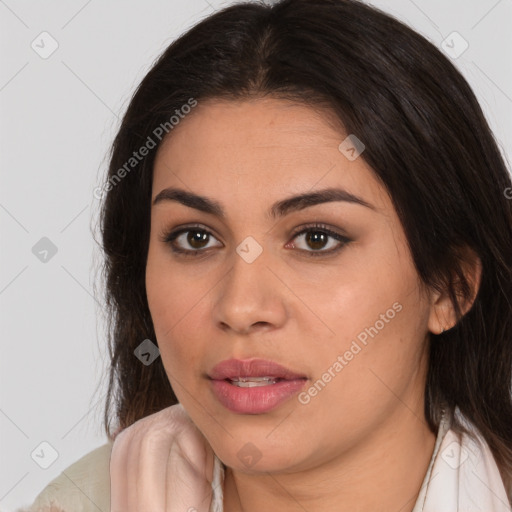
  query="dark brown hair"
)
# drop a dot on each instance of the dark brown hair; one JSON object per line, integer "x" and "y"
{"x": 426, "y": 139}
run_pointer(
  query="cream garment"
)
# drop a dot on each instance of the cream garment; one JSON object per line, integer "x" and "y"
{"x": 82, "y": 487}
{"x": 462, "y": 477}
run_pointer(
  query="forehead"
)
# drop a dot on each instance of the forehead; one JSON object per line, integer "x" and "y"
{"x": 263, "y": 145}
{"x": 261, "y": 123}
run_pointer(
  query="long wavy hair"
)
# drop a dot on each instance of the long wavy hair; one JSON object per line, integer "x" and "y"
{"x": 426, "y": 139}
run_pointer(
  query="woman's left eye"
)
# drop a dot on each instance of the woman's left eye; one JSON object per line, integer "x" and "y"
{"x": 316, "y": 237}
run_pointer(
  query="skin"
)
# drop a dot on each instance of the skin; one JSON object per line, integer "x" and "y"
{"x": 362, "y": 443}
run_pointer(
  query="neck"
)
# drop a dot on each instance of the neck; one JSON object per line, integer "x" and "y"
{"x": 384, "y": 473}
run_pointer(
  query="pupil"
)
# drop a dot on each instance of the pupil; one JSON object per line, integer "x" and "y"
{"x": 196, "y": 237}
{"x": 317, "y": 242}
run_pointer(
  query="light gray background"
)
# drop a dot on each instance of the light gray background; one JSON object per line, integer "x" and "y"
{"x": 58, "y": 116}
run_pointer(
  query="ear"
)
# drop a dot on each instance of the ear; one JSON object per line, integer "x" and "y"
{"x": 442, "y": 313}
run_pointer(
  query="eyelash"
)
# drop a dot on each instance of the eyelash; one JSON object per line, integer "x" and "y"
{"x": 168, "y": 237}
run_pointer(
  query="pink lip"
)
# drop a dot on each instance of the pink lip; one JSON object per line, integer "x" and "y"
{"x": 254, "y": 400}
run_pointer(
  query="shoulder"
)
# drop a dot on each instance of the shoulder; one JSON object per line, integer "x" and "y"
{"x": 84, "y": 486}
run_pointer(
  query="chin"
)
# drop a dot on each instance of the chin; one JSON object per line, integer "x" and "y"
{"x": 256, "y": 454}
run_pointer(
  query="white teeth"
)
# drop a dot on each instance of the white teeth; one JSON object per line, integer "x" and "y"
{"x": 251, "y": 382}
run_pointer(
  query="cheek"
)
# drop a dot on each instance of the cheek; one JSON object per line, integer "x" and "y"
{"x": 178, "y": 302}
{"x": 379, "y": 319}
{"x": 374, "y": 294}
{"x": 374, "y": 307}
{"x": 170, "y": 292}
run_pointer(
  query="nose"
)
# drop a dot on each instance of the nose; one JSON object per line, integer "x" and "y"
{"x": 250, "y": 297}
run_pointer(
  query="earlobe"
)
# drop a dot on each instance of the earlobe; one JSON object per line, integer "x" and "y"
{"x": 442, "y": 314}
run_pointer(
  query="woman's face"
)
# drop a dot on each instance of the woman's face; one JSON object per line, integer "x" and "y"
{"x": 348, "y": 315}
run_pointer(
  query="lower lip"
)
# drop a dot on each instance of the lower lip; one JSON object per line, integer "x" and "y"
{"x": 255, "y": 400}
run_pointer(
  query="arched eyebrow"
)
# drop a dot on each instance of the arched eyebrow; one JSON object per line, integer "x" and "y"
{"x": 278, "y": 209}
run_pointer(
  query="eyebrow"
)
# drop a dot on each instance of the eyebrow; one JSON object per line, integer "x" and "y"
{"x": 278, "y": 209}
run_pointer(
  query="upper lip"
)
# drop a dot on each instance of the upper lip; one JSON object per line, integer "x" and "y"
{"x": 234, "y": 368}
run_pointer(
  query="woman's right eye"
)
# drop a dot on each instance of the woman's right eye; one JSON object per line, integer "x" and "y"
{"x": 194, "y": 237}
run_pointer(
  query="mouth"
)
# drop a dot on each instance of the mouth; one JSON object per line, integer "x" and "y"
{"x": 253, "y": 386}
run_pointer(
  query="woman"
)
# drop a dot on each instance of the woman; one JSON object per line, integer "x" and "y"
{"x": 307, "y": 235}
